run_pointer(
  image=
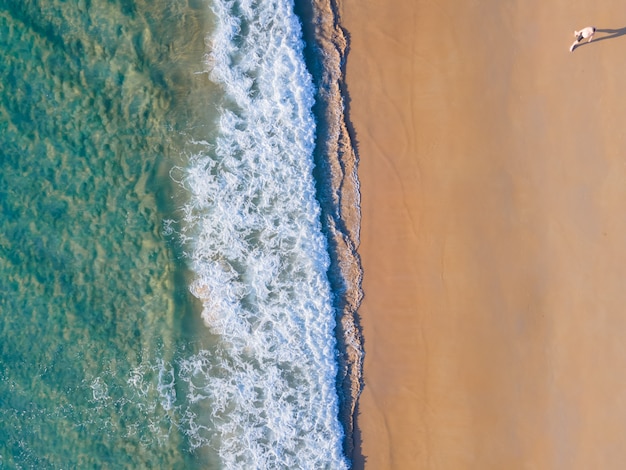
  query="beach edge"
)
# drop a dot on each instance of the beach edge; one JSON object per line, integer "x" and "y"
{"x": 337, "y": 185}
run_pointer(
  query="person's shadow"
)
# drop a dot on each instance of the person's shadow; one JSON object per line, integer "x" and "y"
{"x": 612, "y": 33}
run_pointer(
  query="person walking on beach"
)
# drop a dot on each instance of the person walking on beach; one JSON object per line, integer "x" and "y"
{"x": 585, "y": 33}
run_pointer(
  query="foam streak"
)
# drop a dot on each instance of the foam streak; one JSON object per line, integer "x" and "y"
{"x": 259, "y": 254}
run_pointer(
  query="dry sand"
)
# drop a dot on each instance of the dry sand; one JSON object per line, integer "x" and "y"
{"x": 493, "y": 239}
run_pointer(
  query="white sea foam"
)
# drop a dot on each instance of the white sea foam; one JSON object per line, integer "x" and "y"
{"x": 259, "y": 255}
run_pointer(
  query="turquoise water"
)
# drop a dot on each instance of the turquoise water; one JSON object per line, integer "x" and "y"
{"x": 163, "y": 272}
{"x": 93, "y": 290}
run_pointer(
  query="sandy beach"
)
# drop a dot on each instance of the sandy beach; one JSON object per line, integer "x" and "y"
{"x": 493, "y": 237}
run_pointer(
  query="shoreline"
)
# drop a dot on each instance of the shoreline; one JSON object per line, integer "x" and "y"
{"x": 337, "y": 187}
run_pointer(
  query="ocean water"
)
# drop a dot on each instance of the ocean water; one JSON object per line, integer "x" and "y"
{"x": 164, "y": 291}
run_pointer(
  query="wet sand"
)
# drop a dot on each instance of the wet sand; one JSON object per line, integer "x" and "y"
{"x": 493, "y": 237}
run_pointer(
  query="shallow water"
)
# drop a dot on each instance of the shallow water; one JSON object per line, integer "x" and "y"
{"x": 136, "y": 171}
{"x": 94, "y": 302}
